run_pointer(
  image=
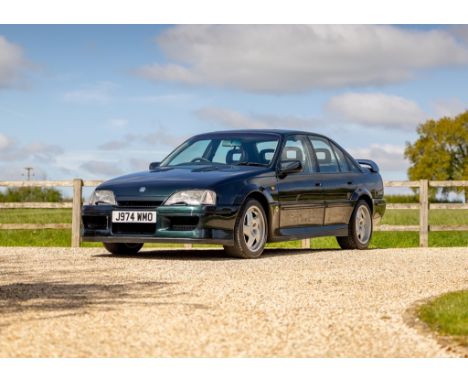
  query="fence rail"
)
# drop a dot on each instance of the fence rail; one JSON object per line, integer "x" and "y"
{"x": 77, "y": 184}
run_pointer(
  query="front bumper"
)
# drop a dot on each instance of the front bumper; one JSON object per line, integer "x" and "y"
{"x": 174, "y": 224}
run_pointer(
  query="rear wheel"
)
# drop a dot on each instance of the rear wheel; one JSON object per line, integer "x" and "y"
{"x": 250, "y": 232}
{"x": 123, "y": 248}
{"x": 359, "y": 229}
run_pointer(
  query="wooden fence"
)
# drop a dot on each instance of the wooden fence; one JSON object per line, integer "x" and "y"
{"x": 424, "y": 206}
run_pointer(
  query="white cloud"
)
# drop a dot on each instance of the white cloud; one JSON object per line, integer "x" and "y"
{"x": 97, "y": 167}
{"x": 290, "y": 58}
{"x": 12, "y": 63}
{"x": 90, "y": 94}
{"x": 159, "y": 137}
{"x": 138, "y": 164}
{"x": 18, "y": 172}
{"x": 115, "y": 144}
{"x": 233, "y": 119}
{"x": 5, "y": 142}
{"x": 461, "y": 32}
{"x": 11, "y": 151}
{"x": 42, "y": 152}
{"x": 388, "y": 157}
{"x": 118, "y": 123}
{"x": 230, "y": 118}
{"x": 376, "y": 109}
{"x": 118, "y": 144}
{"x": 163, "y": 98}
{"x": 449, "y": 107}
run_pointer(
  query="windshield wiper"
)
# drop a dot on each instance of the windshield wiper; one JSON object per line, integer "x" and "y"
{"x": 246, "y": 163}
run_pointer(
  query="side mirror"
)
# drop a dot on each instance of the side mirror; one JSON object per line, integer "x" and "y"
{"x": 154, "y": 165}
{"x": 289, "y": 167}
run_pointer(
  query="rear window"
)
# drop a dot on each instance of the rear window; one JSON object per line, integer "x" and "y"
{"x": 342, "y": 160}
{"x": 326, "y": 157}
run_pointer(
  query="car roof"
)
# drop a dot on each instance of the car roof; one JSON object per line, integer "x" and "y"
{"x": 257, "y": 132}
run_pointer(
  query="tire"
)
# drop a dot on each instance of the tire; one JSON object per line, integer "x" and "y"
{"x": 123, "y": 248}
{"x": 251, "y": 220}
{"x": 360, "y": 228}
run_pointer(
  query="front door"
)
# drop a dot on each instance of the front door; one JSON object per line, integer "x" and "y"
{"x": 300, "y": 195}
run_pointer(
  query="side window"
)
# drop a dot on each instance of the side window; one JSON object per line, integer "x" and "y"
{"x": 342, "y": 160}
{"x": 325, "y": 156}
{"x": 353, "y": 166}
{"x": 295, "y": 149}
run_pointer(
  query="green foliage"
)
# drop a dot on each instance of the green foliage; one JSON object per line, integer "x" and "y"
{"x": 448, "y": 315}
{"x": 441, "y": 151}
{"x": 35, "y": 216}
{"x": 414, "y": 198}
{"x": 31, "y": 194}
{"x": 62, "y": 238}
{"x": 402, "y": 198}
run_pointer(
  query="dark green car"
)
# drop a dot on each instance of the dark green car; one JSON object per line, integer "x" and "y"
{"x": 241, "y": 189}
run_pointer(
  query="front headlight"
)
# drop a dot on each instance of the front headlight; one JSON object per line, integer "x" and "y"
{"x": 192, "y": 198}
{"x": 102, "y": 197}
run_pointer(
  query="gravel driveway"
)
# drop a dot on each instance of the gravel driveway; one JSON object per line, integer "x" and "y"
{"x": 320, "y": 303}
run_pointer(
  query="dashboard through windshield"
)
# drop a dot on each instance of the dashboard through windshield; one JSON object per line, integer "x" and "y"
{"x": 225, "y": 150}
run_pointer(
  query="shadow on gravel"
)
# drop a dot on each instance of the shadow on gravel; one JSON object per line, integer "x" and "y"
{"x": 51, "y": 296}
{"x": 208, "y": 254}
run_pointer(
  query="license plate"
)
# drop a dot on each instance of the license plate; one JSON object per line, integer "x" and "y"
{"x": 133, "y": 217}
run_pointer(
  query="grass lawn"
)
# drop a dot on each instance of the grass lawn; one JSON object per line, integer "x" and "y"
{"x": 448, "y": 315}
{"x": 62, "y": 238}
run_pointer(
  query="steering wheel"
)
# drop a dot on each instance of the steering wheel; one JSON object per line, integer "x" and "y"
{"x": 200, "y": 159}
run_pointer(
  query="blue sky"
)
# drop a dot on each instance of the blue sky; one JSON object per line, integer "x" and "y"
{"x": 98, "y": 101}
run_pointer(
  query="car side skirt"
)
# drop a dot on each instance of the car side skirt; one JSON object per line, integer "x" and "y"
{"x": 146, "y": 239}
{"x": 297, "y": 233}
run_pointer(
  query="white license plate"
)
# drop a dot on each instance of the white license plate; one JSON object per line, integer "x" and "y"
{"x": 133, "y": 217}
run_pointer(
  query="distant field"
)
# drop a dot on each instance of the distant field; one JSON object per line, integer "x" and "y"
{"x": 62, "y": 238}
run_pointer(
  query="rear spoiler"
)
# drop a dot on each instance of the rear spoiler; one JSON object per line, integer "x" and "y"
{"x": 370, "y": 164}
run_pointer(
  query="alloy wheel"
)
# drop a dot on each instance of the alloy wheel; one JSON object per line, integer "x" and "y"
{"x": 363, "y": 224}
{"x": 254, "y": 228}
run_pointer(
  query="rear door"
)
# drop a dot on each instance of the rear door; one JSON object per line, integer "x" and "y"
{"x": 338, "y": 180}
{"x": 300, "y": 195}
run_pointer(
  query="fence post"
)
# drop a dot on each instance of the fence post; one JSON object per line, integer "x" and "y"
{"x": 305, "y": 243}
{"x": 76, "y": 212}
{"x": 424, "y": 213}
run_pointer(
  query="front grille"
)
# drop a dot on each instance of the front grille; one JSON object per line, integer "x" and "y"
{"x": 95, "y": 222}
{"x": 183, "y": 223}
{"x": 139, "y": 203}
{"x": 133, "y": 228}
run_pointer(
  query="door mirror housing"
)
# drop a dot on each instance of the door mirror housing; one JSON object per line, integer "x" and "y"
{"x": 289, "y": 167}
{"x": 154, "y": 165}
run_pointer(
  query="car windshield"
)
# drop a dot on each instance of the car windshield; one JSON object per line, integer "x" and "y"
{"x": 247, "y": 150}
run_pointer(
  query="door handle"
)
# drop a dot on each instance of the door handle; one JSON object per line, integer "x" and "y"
{"x": 318, "y": 184}
{"x": 350, "y": 182}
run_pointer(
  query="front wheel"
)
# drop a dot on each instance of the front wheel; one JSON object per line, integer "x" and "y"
{"x": 250, "y": 232}
{"x": 360, "y": 228}
{"x": 123, "y": 248}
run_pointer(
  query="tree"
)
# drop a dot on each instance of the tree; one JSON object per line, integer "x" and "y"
{"x": 441, "y": 151}
{"x": 31, "y": 194}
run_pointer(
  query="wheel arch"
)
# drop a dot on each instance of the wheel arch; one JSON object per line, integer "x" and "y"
{"x": 363, "y": 194}
{"x": 265, "y": 203}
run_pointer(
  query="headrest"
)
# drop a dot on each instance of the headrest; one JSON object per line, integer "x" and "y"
{"x": 263, "y": 155}
{"x": 292, "y": 153}
{"x": 323, "y": 156}
{"x": 235, "y": 155}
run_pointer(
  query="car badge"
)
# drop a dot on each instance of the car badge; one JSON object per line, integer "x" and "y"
{"x": 142, "y": 189}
